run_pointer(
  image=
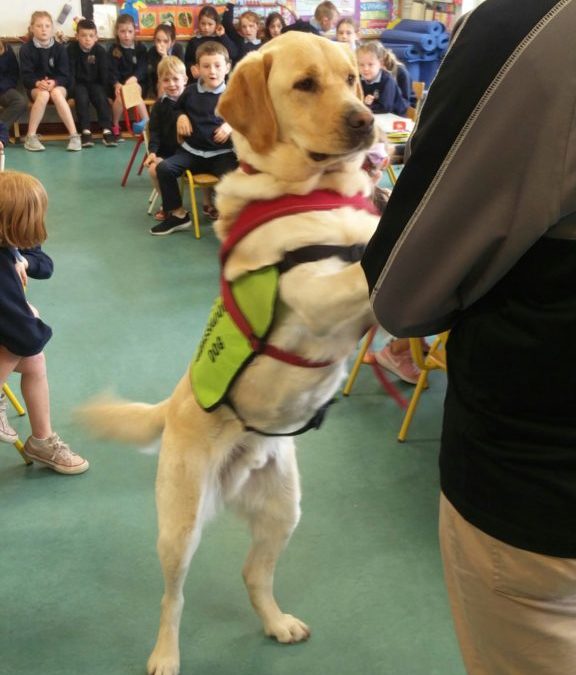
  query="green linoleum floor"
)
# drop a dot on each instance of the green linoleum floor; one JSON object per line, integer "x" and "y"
{"x": 80, "y": 583}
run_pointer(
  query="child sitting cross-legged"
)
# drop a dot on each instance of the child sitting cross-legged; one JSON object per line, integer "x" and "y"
{"x": 206, "y": 147}
{"x": 23, "y": 334}
{"x": 171, "y": 77}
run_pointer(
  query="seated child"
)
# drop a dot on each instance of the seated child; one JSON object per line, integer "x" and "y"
{"x": 326, "y": 15}
{"x": 23, "y": 334}
{"x": 347, "y": 33}
{"x": 163, "y": 140}
{"x": 89, "y": 71}
{"x": 13, "y": 104}
{"x": 210, "y": 29}
{"x": 207, "y": 147}
{"x": 273, "y": 26}
{"x": 400, "y": 73}
{"x": 164, "y": 45}
{"x": 246, "y": 37}
{"x": 46, "y": 76}
{"x": 381, "y": 93}
{"x": 127, "y": 63}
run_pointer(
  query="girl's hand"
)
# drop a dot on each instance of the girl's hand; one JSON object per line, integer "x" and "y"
{"x": 219, "y": 32}
{"x": 117, "y": 89}
{"x": 150, "y": 159}
{"x": 222, "y": 134}
{"x": 183, "y": 126}
{"x": 369, "y": 100}
{"x": 21, "y": 267}
{"x": 50, "y": 84}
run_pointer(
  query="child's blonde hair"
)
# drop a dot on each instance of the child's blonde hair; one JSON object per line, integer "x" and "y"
{"x": 171, "y": 65}
{"x": 373, "y": 47}
{"x": 39, "y": 15}
{"x": 326, "y": 8}
{"x": 390, "y": 61}
{"x": 23, "y": 204}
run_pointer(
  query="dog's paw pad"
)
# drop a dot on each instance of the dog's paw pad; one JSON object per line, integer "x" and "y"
{"x": 288, "y": 629}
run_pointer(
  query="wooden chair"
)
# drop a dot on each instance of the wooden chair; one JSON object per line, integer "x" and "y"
{"x": 435, "y": 359}
{"x": 20, "y": 410}
{"x": 418, "y": 88}
{"x": 198, "y": 180}
{"x": 132, "y": 100}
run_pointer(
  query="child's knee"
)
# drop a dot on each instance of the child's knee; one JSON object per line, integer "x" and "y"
{"x": 33, "y": 365}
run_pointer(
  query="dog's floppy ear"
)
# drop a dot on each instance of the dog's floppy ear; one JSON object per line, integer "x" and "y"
{"x": 246, "y": 104}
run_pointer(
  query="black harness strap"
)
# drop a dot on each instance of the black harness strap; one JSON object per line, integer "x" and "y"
{"x": 307, "y": 254}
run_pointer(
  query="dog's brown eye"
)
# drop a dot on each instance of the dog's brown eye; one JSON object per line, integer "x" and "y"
{"x": 351, "y": 80}
{"x": 307, "y": 84}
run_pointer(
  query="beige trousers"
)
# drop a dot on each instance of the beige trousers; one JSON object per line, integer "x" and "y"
{"x": 514, "y": 611}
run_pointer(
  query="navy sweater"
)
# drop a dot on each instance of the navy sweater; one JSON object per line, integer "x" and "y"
{"x": 8, "y": 69}
{"x": 3, "y": 134}
{"x": 387, "y": 95}
{"x": 125, "y": 62}
{"x": 241, "y": 46}
{"x": 88, "y": 67}
{"x": 20, "y": 331}
{"x": 162, "y": 127}
{"x": 200, "y": 108}
{"x": 37, "y": 63}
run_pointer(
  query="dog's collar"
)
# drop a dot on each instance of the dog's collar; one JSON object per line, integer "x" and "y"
{"x": 247, "y": 168}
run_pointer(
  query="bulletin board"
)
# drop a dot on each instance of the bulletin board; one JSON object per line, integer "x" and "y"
{"x": 16, "y": 15}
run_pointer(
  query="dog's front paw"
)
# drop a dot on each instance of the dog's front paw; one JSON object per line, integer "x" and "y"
{"x": 288, "y": 629}
{"x": 162, "y": 663}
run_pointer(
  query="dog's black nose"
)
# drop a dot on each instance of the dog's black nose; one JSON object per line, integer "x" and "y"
{"x": 360, "y": 121}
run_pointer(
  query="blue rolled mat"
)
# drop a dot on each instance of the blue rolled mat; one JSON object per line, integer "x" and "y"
{"x": 442, "y": 41}
{"x": 404, "y": 52}
{"x": 424, "y": 41}
{"x": 431, "y": 27}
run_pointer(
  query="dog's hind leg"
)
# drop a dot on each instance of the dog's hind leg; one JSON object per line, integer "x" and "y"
{"x": 270, "y": 501}
{"x": 179, "y": 494}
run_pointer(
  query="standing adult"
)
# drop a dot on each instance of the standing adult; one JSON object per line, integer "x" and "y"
{"x": 479, "y": 237}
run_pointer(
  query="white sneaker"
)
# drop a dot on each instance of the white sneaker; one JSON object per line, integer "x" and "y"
{"x": 7, "y": 433}
{"x": 33, "y": 144}
{"x": 53, "y": 452}
{"x": 75, "y": 143}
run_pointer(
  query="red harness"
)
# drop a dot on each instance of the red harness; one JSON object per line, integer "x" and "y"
{"x": 259, "y": 212}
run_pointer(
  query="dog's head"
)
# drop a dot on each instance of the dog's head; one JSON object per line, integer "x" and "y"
{"x": 295, "y": 107}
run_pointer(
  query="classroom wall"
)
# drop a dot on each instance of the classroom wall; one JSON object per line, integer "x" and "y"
{"x": 15, "y": 16}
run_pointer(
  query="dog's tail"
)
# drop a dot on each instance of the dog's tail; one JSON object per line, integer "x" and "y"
{"x": 127, "y": 421}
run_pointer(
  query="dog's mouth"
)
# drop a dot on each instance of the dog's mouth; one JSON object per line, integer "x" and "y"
{"x": 321, "y": 156}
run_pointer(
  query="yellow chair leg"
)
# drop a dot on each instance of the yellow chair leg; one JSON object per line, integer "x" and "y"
{"x": 20, "y": 447}
{"x": 193, "y": 204}
{"x": 361, "y": 354}
{"x": 13, "y": 400}
{"x": 420, "y": 386}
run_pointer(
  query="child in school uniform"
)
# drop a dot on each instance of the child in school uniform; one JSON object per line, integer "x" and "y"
{"x": 45, "y": 74}
{"x": 347, "y": 33}
{"x": 400, "y": 73}
{"x": 210, "y": 29}
{"x": 381, "y": 93}
{"x": 23, "y": 334}
{"x": 325, "y": 17}
{"x": 89, "y": 70}
{"x": 128, "y": 62}
{"x": 245, "y": 38}
{"x": 163, "y": 141}
{"x": 13, "y": 105}
{"x": 207, "y": 147}
{"x": 273, "y": 26}
{"x": 164, "y": 45}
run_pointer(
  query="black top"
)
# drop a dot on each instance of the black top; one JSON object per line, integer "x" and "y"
{"x": 387, "y": 95}
{"x": 125, "y": 62}
{"x": 241, "y": 46}
{"x": 88, "y": 67}
{"x": 20, "y": 331}
{"x": 162, "y": 127}
{"x": 37, "y": 63}
{"x": 8, "y": 69}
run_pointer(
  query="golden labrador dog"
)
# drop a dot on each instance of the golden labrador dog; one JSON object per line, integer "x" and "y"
{"x": 299, "y": 127}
